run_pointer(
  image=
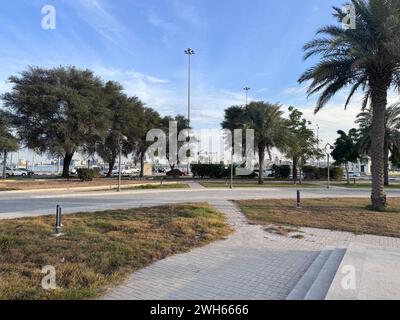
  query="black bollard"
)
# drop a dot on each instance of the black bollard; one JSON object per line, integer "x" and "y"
{"x": 298, "y": 199}
{"x": 58, "y": 221}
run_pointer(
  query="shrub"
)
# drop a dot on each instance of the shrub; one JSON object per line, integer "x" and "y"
{"x": 214, "y": 171}
{"x": 315, "y": 173}
{"x": 281, "y": 172}
{"x": 174, "y": 173}
{"x": 311, "y": 173}
{"x": 85, "y": 174}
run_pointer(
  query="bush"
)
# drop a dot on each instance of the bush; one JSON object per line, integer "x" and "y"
{"x": 315, "y": 173}
{"x": 312, "y": 173}
{"x": 175, "y": 173}
{"x": 85, "y": 174}
{"x": 213, "y": 171}
{"x": 281, "y": 172}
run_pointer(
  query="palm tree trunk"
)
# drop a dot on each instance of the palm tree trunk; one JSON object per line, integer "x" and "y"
{"x": 347, "y": 173}
{"x": 378, "y": 102}
{"x": 261, "y": 158}
{"x": 386, "y": 153}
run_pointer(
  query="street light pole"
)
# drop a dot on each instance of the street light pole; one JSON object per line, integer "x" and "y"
{"x": 119, "y": 167}
{"x": 328, "y": 163}
{"x": 247, "y": 89}
{"x": 189, "y": 52}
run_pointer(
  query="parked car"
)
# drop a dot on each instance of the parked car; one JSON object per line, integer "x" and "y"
{"x": 267, "y": 172}
{"x": 129, "y": 172}
{"x": 176, "y": 173}
{"x": 22, "y": 172}
{"x": 9, "y": 172}
{"x": 352, "y": 174}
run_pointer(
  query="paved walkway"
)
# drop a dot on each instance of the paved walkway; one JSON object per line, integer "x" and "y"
{"x": 250, "y": 264}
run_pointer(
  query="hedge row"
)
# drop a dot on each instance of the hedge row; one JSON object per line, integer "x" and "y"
{"x": 315, "y": 173}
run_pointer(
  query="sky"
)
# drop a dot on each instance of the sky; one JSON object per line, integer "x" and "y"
{"x": 141, "y": 43}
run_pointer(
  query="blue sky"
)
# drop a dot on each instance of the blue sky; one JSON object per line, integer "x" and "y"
{"x": 256, "y": 43}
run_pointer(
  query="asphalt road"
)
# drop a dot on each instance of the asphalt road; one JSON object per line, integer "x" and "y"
{"x": 21, "y": 204}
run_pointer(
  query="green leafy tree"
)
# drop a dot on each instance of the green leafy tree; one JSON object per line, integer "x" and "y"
{"x": 302, "y": 144}
{"x": 182, "y": 124}
{"x": 392, "y": 135}
{"x": 123, "y": 122}
{"x": 346, "y": 150}
{"x": 148, "y": 119}
{"x": 270, "y": 130}
{"x": 367, "y": 58}
{"x": 57, "y": 111}
{"x": 8, "y": 143}
{"x": 234, "y": 119}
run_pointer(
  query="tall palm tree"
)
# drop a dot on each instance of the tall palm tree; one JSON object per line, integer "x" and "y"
{"x": 392, "y": 134}
{"x": 270, "y": 130}
{"x": 367, "y": 58}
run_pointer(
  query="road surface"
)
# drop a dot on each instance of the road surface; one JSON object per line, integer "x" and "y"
{"x": 22, "y": 204}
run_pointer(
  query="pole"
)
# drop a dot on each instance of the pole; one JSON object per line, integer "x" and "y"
{"x": 329, "y": 177}
{"x": 119, "y": 167}
{"x": 231, "y": 186}
{"x": 58, "y": 221}
{"x": 189, "y": 52}
{"x": 298, "y": 200}
{"x": 246, "y": 89}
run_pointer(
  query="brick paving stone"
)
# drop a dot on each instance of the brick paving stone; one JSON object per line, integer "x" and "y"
{"x": 250, "y": 264}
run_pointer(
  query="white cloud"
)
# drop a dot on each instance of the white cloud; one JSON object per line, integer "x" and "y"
{"x": 187, "y": 13}
{"x": 295, "y": 90}
{"x": 94, "y": 13}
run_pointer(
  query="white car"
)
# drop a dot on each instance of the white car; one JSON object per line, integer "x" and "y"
{"x": 21, "y": 172}
{"x": 130, "y": 172}
{"x": 9, "y": 172}
{"x": 352, "y": 174}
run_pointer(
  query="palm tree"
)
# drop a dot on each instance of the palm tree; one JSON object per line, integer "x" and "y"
{"x": 392, "y": 134}
{"x": 270, "y": 130}
{"x": 367, "y": 58}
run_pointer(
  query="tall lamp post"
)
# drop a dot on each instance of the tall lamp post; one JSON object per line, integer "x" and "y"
{"x": 327, "y": 148}
{"x": 189, "y": 52}
{"x": 247, "y": 89}
{"x": 122, "y": 139}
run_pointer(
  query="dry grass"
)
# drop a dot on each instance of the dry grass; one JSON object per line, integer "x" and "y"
{"x": 98, "y": 249}
{"x": 160, "y": 186}
{"x": 345, "y": 214}
{"x": 31, "y": 183}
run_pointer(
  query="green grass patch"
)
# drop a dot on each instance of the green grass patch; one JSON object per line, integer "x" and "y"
{"x": 256, "y": 185}
{"x": 345, "y": 214}
{"x": 98, "y": 249}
